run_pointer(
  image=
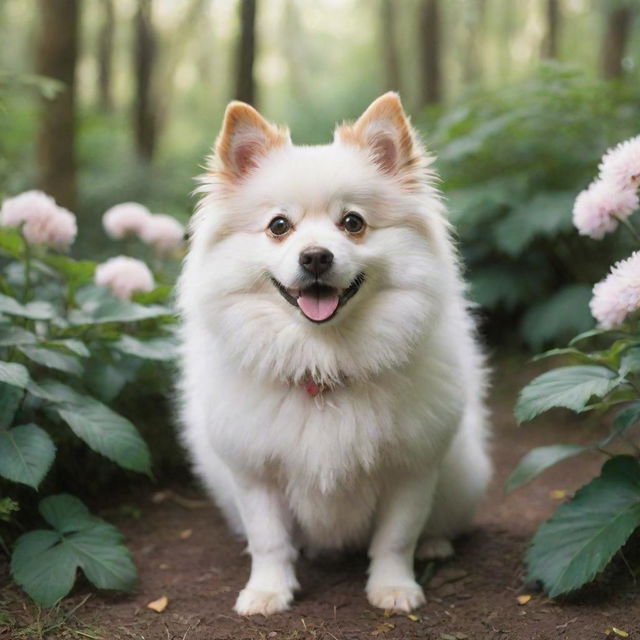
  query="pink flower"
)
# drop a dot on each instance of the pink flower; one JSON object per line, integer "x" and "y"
{"x": 621, "y": 165}
{"x": 43, "y": 221}
{"x": 163, "y": 232}
{"x": 599, "y": 208}
{"x": 618, "y": 295}
{"x": 124, "y": 276}
{"x": 128, "y": 218}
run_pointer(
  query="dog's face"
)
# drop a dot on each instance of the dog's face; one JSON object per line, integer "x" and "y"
{"x": 312, "y": 250}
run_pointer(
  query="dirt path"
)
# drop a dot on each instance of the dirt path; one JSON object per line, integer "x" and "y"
{"x": 183, "y": 551}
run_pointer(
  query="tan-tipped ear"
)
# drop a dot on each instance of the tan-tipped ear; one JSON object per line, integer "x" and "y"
{"x": 385, "y": 130}
{"x": 245, "y": 137}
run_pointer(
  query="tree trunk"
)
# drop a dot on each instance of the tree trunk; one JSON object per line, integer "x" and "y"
{"x": 551, "y": 38}
{"x": 57, "y": 50}
{"x": 429, "y": 53}
{"x": 616, "y": 37}
{"x": 389, "y": 46}
{"x": 144, "y": 109}
{"x": 472, "y": 55}
{"x": 105, "y": 57}
{"x": 245, "y": 83}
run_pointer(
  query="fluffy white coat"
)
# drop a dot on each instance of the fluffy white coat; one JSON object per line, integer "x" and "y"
{"x": 391, "y": 454}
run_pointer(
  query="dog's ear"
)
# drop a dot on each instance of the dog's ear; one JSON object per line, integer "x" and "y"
{"x": 385, "y": 131}
{"x": 245, "y": 137}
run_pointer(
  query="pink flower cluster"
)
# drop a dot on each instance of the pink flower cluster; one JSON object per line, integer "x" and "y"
{"x": 124, "y": 276}
{"x": 612, "y": 197}
{"x": 164, "y": 233}
{"x": 41, "y": 220}
{"x": 618, "y": 295}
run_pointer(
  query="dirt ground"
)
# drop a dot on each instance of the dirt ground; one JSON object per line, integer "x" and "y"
{"x": 184, "y": 552}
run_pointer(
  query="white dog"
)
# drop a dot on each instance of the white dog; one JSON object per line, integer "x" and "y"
{"x": 332, "y": 390}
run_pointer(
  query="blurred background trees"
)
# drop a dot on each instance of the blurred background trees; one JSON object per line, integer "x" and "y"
{"x": 117, "y": 100}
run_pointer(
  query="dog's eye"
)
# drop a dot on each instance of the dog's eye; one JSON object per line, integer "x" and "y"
{"x": 353, "y": 223}
{"x": 279, "y": 226}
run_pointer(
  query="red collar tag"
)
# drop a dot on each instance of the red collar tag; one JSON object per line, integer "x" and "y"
{"x": 312, "y": 388}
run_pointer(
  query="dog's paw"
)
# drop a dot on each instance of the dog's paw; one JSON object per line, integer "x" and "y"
{"x": 434, "y": 549}
{"x": 405, "y": 598}
{"x": 252, "y": 602}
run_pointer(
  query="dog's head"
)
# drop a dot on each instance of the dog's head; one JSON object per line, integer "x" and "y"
{"x": 326, "y": 261}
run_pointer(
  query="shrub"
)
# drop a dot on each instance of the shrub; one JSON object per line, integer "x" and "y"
{"x": 605, "y": 376}
{"x": 512, "y": 160}
{"x": 68, "y": 348}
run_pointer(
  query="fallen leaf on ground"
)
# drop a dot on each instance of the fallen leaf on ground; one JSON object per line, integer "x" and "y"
{"x": 383, "y": 628}
{"x": 412, "y": 617}
{"x": 184, "y": 535}
{"x": 558, "y": 494}
{"x": 159, "y": 605}
{"x": 523, "y": 599}
{"x": 620, "y": 632}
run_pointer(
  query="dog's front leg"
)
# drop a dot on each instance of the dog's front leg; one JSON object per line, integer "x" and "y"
{"x": 267, "y": 525}
{"x": 403, "y": 509}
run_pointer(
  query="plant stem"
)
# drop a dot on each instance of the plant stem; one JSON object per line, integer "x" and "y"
{"x": 632, "y": 230}
{"x": 27, "y": 272}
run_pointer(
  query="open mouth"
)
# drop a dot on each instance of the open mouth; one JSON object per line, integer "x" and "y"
{"x": 319, "y": 302}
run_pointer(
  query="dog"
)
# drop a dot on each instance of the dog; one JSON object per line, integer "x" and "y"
{"x": 331, "y": 388}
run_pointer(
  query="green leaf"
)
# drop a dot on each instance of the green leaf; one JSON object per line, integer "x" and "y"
{"x": 630, "y": 362}
{"x": 53, "y": 359}
{"x": 561, "y": 315}
{"x": 75, "y": 271}
{"x": 540, "y": 459}
{"x": 566, "y": 351}
{"x": 627, "y": 417}
{"x": 26, "y": 454}
{"x": 104, "y": 380}
{"x": 161, "y": 348}
{"x": 585, "y": 335}
{"x": 10, "y": 399}
{"x": 11, "y": 336}
{"x": 11, "y": 242}
{"x": 70, "y": 345}
{"x": 580, "y": 539}
{"x": 568, "y": 387}
{"x": 44, "y": 562}
{"x": 37, "y": 310}
{"x": 104, "y": 430}
{"x": 14, "y": 374}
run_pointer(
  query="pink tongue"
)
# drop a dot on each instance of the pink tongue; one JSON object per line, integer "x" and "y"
{"x": 318, "y": 308}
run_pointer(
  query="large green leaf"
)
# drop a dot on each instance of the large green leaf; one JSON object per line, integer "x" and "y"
{"x": 14, "y": 374}
{"x": 11, "y": 335}
{"x": 161, "y": 348}
{"x": 69, "y": 345}
{"x": 579, "y": 540}
{"x": 53, "y": 359}
{"x": 44, "y": 562}
{"x": 10, "y": 399}
{"x": 26, "y": 454}
{"x": 568, "y": 387}
{"x": 539, "y": 459}
{"x": 76, "y": 271}
{"x": 37, "y": 310}
{"x": 11, "y": 242}
{"x": 98, "y": 306}
{"x": 104, "y": 430}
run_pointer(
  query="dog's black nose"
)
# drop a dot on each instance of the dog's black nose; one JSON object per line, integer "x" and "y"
{"x": 316, "y": 260}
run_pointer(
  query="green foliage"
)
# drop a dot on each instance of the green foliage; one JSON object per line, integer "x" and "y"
{"x": 580, "y": 539}
{"x": 44, "y": 562}
{"x": 68, "y": 347}
{"x": 540, "y": 459}
{"x": 512, "y": 161}
{"x": 569, "y": 387}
